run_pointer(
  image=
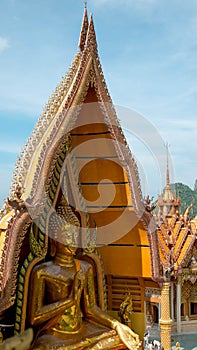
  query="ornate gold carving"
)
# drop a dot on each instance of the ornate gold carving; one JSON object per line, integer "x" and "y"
{"x": 39, "y": 245}
{"x": 43, "y": 122}
{"x": 16, "y": 231}
{"x": 178, "y": 235}
{"x": 189, "y": 286}
{"x": 126, "y": 309}
{"x": 191, "y": 253}
{"x": 84, "y": 30}
{"x": 36, "y": 248}
{"x": 16, "y": 202}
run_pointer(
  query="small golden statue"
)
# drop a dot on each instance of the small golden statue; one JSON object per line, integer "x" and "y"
{"x": 177, "y": 346}
{"x": 148, "y": 206}
{"x": 62, "y": 304}
{"x": 126, "y": 309}
{"x": 17, "y": 203}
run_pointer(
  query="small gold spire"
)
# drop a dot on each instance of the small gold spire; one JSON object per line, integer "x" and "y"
{"x": 168, "y": 196}
{"x": 84, "y": 29}
{"x": 167, "y": 167}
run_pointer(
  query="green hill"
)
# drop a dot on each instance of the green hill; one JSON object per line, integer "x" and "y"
{"x": 187, "y": 196}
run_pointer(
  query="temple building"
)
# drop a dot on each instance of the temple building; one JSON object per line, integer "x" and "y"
{"x": 177, "y": 243}
{"x": 77, "y": 164}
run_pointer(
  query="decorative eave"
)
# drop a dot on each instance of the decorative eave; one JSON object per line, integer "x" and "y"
{"x": 188, "y": 275}
{"x": 181, "y": 235}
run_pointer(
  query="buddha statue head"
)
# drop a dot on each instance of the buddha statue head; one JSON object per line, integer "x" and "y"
{"x": 64, "y": 228}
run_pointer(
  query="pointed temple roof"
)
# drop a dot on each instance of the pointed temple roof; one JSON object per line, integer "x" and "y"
{"x": 76, "y": 144}
{"x": 84, "y": 74}
{"x": 175, "y": 232}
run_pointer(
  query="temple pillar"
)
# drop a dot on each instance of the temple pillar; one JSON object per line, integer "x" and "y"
{"x": 172, "y": 301}
{"x": 165, "y": 320}
{"x": 178, "y": 305}
{"x": 159, "y": 310}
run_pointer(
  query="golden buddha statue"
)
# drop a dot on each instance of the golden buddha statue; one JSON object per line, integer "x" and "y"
{"x": 62, "y": 303}
{"x": 126, "y": 309}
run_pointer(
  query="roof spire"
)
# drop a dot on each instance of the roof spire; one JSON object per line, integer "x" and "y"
{"x": 91, "y": 35}
{"x": 84, "y": 28}
{"x": 167, "y": 192}
{"x": 167, "y": 168}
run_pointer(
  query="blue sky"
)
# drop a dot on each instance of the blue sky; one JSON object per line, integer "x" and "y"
{"x": 148, "y": 50}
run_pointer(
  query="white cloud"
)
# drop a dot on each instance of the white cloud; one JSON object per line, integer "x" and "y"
{"x": 4, "y": 44}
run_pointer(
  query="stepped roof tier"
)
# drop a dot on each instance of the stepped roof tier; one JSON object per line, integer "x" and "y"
{"x": 176, "y": 235}
{"x": 77, "y": 149}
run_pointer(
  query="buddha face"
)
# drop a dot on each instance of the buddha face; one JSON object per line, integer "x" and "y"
{"x": 65, "y": 227}
{"x": 69, "y": 237}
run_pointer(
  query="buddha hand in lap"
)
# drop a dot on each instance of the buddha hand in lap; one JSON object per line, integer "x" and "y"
{"x": 62, "y": 304}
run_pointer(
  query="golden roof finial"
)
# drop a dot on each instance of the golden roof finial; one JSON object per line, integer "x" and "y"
{"x": 84, "y": 28}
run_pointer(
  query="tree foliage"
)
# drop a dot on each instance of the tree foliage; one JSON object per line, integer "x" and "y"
{"x": 187, "y": 196}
